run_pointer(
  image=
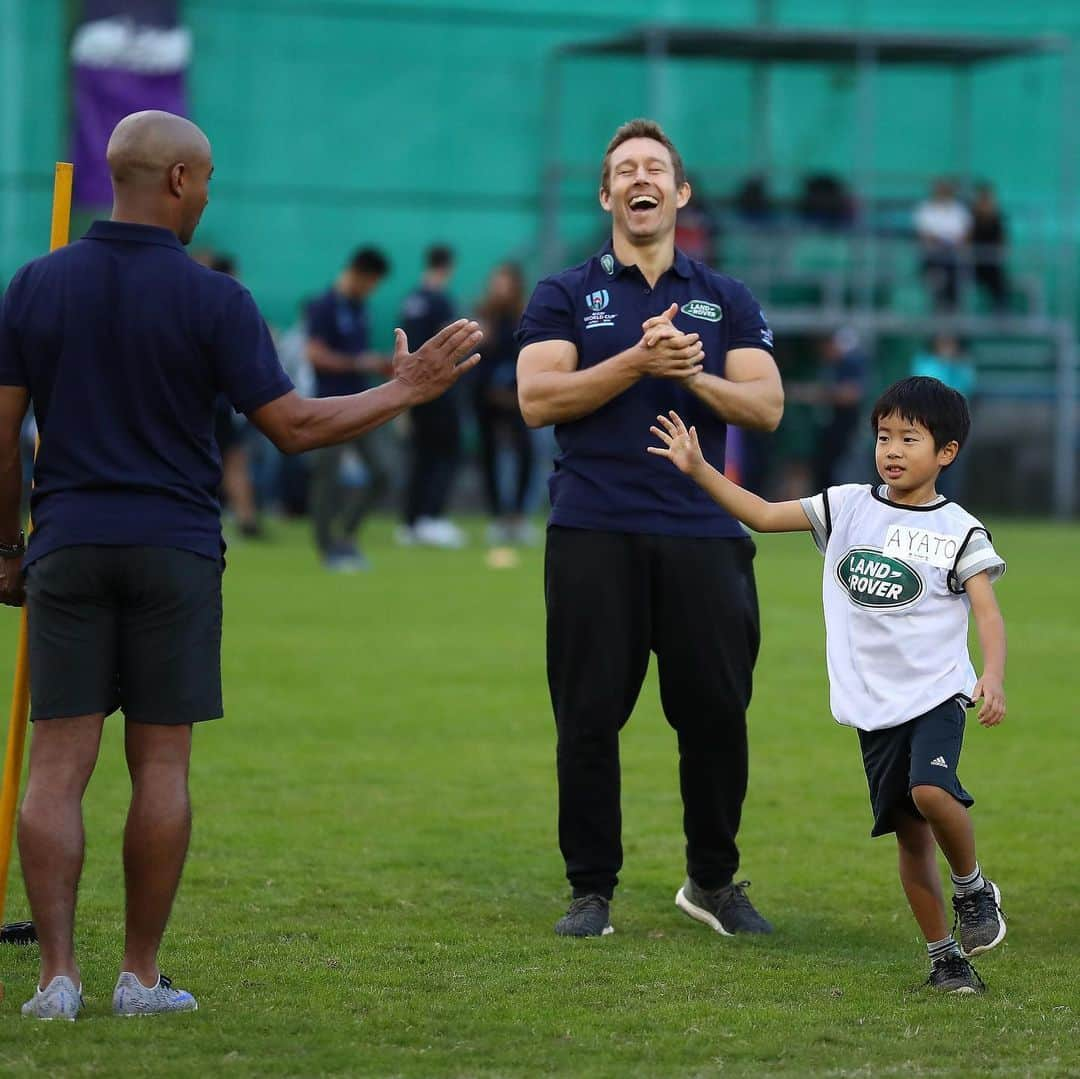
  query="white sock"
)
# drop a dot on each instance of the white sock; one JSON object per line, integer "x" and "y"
{"x": 973, "y": 882}
{"x": 938, "y": 949}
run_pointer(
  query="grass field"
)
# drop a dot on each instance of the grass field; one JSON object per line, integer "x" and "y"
{"x": 374, "y": 874}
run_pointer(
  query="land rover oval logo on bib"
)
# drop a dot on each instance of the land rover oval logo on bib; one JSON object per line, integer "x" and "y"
{"x": 710, "y": 312}
{"x": 873, "y": 579}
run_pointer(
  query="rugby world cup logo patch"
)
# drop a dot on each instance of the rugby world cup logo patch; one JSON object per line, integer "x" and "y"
{"x": 873, "y": 579}
{"x": 599, "y": 315}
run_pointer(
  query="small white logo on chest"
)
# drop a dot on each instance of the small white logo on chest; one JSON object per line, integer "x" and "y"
{"x": 919, "y": 545}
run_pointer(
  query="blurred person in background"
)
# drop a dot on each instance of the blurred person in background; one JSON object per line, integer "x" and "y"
{"x": 232, "y": 434}
{"x": 696, "y": 229}
{"x": 435, "y": 427}
{"x": 753, "y": 201}
{"x": 837, "y": 393}
{"x": 988, "y": 239}
{"x": 943, "y": 225}
{"x": 947, "y": 359}
{"x": 291, "y": 494}
{"x": 339, "y": 353}
{"x": 501, "y": 428}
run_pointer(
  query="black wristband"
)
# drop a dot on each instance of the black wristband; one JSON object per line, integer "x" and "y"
{"x": 14, "y": 550}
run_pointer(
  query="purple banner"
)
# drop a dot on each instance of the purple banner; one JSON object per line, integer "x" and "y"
{"x": 103, "y": 97}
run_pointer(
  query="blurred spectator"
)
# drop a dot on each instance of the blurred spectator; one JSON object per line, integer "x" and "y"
{"x": 752, "y": 202}
{"x": 949, "y": 361}
{"x": 988, "y": 239}
{"x": 435, "y": 428}
{"x": 291, "y": 493}
{"x": 346, "y": 480}
{"x": 695, "y": 227}
{"x": 502, "y": 431}
{"x": 946, "y": 359}
{"x": 943, "y": 225}
{"x": 837, "y": 394}
{"x": 826, "y": 201}
{"x": 233, "y": 433}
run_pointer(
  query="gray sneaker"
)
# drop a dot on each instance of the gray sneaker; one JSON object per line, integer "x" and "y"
{"x": 58, "y": 1000}
{"x": 587, "y": 916}
{"x": 954, "y": 974}
{"x": 980, "y": 921}
{"x": 727, "y": 910}
{"x": 131, "y": 997}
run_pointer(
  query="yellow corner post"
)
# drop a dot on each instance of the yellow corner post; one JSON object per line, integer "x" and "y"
{"x": 20, "y": 696}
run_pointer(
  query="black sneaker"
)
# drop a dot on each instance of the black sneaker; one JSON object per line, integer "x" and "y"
{"x": 980, "y": 923}
{"x": 587, "y": 916}
{"x": 954, "y": 974}
{"x": 727, "y": 910}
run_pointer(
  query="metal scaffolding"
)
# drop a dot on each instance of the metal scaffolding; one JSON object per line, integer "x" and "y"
{"x": 866, "y": 51}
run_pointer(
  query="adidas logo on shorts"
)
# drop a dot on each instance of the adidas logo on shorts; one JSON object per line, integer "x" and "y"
{"x": 940, "y": 762}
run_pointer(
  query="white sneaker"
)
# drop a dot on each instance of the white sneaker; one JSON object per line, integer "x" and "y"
{"x": 498, "y": 534}
{"x": 438, "y": 532}
{"x": 131, "y": 997}
{"x": 523, "y": 533}
{"x": 58, "y": 1000}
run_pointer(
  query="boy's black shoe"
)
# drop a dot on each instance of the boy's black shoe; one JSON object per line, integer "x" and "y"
{"x": 587, "y": 916}
{"x": 954, "y": 974}
{"x": 727, "y": 910}
{"x": 980, "y": 923}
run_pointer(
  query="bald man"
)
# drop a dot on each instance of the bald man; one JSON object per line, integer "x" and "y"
{"x": 121, "y": 343}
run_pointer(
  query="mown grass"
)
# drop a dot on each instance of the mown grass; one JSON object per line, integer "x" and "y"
{"x": 374, "y": 873}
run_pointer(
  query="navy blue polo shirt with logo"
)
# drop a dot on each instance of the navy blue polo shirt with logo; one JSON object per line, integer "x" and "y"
{"x": 124, "y": 342}
{"x": 603, "y": 478}
{"x": 342, "y": 325}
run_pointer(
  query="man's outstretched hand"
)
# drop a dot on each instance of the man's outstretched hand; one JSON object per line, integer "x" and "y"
{"x": 439, "y": 362}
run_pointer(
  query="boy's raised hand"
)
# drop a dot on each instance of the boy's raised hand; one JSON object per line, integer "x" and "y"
{"x": 680, "y": 446}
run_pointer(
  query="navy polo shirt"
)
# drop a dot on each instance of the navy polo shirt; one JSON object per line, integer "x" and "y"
{"x": 124, "y": 342}
{"x": 603, "y": 477}
{"x": 342, "y": 325}
{"x": 424, "y": 313}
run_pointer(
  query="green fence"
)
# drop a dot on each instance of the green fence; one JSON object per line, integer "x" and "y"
{"x": 339, "y": 122}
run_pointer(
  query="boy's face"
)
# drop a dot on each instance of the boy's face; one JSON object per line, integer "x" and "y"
{"x": 905, "y": 454}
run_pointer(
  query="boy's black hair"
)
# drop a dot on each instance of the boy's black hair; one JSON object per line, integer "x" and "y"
{"x": 929, "y": 402}
{"x": 370, "y": 260}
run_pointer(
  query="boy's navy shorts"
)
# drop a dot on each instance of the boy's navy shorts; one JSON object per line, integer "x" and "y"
{"x": 134, "y": 628}
{"x": 925, "y": 751}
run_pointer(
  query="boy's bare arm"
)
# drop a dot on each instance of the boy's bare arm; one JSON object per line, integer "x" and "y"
{"x": 681, "y": 448}
{"x": 991, "y": 629}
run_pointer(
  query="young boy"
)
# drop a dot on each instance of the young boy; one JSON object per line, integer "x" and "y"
{"x": 903, "y": 566}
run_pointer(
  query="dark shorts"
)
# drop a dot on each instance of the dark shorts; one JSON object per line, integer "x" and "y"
{"x": 134, "y": 628}
{"x": 925, "y": 751}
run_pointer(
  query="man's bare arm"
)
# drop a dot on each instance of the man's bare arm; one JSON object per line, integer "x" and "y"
{"x": 553, "y": 389}
{"x": 295, "y": 424}
{"x": 750, "y": 393}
